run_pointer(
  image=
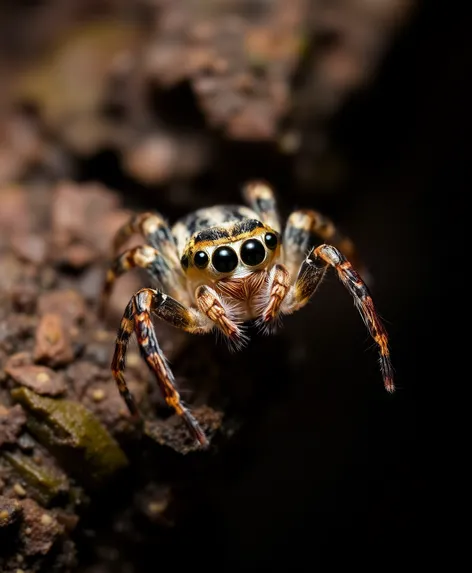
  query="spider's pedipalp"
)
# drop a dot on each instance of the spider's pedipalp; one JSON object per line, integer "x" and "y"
{"x": 220, "y": 313}
{"x": 137, "y": 318}
{"x": 278, "y": 288}
{"x": 260, "y": 197}
{"x": 309, "y": 278}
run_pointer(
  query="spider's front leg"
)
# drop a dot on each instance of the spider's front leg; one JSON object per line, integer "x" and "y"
{"x": 137, "y": 319}
{"x": 160, "y": 258}
{"x": 309, "y": 278}
{"x": 307, "y": 228}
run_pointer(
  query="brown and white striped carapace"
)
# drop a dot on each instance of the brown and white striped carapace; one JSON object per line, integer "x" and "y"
{"x": 222, "y": 266}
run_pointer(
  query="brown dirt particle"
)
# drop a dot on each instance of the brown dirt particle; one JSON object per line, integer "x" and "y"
{"x": 40, "y": 528}
{"x": 52, "y": 344}
{"x": 41, "y": 379}
{"x": 11, "y": 423}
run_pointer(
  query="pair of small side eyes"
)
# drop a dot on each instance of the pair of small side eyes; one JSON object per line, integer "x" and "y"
{"x": 225, "y": 259}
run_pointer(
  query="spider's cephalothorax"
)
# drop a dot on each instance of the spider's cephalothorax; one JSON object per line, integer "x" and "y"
{"x": 222, "y": 266}
{"x": 231, "y": 254}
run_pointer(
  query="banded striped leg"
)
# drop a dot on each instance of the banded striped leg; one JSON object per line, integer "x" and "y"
{"x": 309, "y": 278}
{"x": 118, "y": 363}
{"x": 279, "y": 286}
{"x": 144, "y": 257}
{"x": 260, "y": 197}
{"x": 155, "y": 231}
{"x": 160, "y": 258}
{"x": 212, "y": 306}
{"x": 137, "y": 319}
{"x": 301, "y": 233}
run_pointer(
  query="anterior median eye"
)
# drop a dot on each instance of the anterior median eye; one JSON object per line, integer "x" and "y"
{"x": 270, "y": 240}
{"x": 253, "y": 252}
{"x": 201, "y": 259}
{"x": 225, "y": 259}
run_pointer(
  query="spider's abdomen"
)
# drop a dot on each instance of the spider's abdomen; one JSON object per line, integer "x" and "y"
{"x": 206, "y": 218}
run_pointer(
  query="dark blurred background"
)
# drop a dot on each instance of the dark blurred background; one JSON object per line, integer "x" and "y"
{"x": 327, "y": 469}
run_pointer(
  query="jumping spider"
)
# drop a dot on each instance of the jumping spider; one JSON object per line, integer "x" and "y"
{"x": 222, "y": 266}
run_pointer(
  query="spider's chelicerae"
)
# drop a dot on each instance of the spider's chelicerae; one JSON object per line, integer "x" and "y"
{"x": 222, "y": 266}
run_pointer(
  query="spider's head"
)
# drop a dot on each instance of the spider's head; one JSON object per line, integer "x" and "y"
{"x": 231, "y": 250}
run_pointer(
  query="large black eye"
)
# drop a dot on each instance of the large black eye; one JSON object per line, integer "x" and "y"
{"x": 200, "y": 259}
{"x": 270, "y": 240}
{"x": 252, "y": 252}
{"x": 225, "y": 259}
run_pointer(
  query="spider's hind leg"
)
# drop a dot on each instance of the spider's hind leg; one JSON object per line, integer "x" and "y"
{"x": 155, "y": 231}
{"x": 260, "y": 197}
{"x": 160, "y": 258}
{"x": 307, "y": 228}
{"x": 144, "y": 257}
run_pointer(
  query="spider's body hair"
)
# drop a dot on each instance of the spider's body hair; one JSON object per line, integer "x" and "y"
{"x": 218, "y": 223}
{"x": 247, "y": 295}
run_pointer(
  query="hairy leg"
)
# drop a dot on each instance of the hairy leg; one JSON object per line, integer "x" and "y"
{"x": 155, "y": 231}
{"x": 137, "y": 319}
{"x": 212, "y": 306}
{"x": 303, "y": 230}
{"x": 147, "y": 258}
{"x": 118, "y": 364}
{"x": 309, "y": 278}
{"x": 278, "y": 288}
{"x": 260, "y": 197}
